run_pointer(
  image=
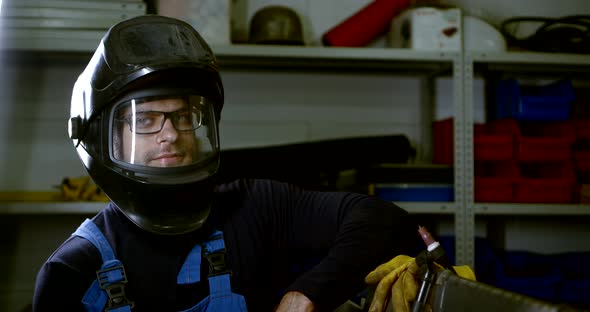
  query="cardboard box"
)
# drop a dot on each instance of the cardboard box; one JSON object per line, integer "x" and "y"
{"x": 211, "y": 18}
{"x": 427, "y": 28}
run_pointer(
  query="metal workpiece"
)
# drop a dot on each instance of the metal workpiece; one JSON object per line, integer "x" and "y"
{"x": 453, "y": 293}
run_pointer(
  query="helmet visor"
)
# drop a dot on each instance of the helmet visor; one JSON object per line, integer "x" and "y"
{"x": 163, "y": 132}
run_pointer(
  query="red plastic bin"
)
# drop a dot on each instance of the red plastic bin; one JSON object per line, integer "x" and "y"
{"x": 581, "y": 157}
{"x": 581, "y": 128}
{"x": 495, "y": 181}
{"x": 492, "y": 141}
{"x": 545, "y": 183}
{"x": 443, "y": 142}
{"x": 545, "y": 141}
{"x": 495, "y": 140}
{"x": 582, "y": 166}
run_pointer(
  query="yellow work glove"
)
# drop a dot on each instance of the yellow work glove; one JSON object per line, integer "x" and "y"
{"x": 398, "y": 280}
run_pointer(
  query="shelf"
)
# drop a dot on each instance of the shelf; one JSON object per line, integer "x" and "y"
{"x": 532, "y": 209}
{"x": 531, "y": 58}
{"x": 335, "y": 58}
{"x": 51, "y": 208}
{"x": 86, "y": 42}
{"x": 531, "y": 62}
{"x": 428, "y": 207}
{"x": 81, "y": 208}
{"x": 247, "y": 56}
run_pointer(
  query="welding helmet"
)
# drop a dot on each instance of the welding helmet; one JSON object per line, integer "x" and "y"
{"x": 144, "y": 120}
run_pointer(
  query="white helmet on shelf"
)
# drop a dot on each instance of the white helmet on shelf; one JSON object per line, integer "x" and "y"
{"x": 479, "y": 35}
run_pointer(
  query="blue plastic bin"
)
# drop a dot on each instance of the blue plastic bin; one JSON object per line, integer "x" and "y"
{"x": 528, "y": 273}
{"x": 575, "y": 287}
{"x": 416, "y": 192}
{"x": 535, "y": 103}
{"x": 574, "y": 291}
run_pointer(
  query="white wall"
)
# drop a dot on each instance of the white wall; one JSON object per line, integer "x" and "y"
{"x": 261, "y": 109}
{"x": 35, "y": 153}
{"x": 315, "y": 106}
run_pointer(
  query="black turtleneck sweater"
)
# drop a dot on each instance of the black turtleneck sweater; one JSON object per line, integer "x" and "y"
{"x": 278, "y": 238}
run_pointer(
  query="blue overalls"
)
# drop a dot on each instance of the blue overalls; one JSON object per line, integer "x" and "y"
{"x": 107, "y": 292}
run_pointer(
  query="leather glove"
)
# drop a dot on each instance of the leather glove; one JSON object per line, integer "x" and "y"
{"x": 398, "y": 280}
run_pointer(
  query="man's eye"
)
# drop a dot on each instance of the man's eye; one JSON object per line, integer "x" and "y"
{"x": 183, "y": 116}
{"x": 144, "y": 121}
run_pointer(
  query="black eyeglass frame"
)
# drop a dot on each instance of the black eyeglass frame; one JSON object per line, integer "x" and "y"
{"x": 168, "y": 115}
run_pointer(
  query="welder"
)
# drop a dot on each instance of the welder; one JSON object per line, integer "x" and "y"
{"x": 144, "y": 120}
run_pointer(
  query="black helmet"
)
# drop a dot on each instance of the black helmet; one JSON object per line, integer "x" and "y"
{"x": 144, "y": 120}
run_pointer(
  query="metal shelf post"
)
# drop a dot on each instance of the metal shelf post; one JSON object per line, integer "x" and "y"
{"x": 464, "y": 219}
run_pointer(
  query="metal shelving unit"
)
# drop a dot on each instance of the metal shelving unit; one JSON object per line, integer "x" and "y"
{"x": 387, "y": 61}
{"x": 525, "y": 64}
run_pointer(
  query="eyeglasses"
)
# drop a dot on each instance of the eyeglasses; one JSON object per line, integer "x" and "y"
{"x": 150, "y": 122}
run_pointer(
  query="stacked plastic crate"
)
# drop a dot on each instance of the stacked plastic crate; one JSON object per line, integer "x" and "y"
{"x": 496, "y": 172}
{"x": 581, "y": 158}
{"x": 536, "y": 149}
{"x": 524, "y": 155}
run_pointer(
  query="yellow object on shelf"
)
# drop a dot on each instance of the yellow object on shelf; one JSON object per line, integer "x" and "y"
{"x": 70, "y": 189}
{"x": 81, "y": 188}
{"x": 29, "y": 196}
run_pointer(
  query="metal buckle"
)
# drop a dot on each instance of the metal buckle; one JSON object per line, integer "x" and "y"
{"x": 115, "y": 290}
{"x": 217, "y": 263}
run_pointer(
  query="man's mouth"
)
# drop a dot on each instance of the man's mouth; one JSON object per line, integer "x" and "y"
{"x": 168, "y": 159}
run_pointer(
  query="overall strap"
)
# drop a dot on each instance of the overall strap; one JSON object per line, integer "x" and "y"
{"x": 220, "y": 296}
{"x": 107, "y": 292}
{"x": 92, "y": 233}
{"x": 214, "y": 250}
{"x": 219, "y": 273}
{"x": 190, "y": 272}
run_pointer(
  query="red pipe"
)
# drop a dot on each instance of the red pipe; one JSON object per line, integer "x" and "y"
{"x": 366, "y": 25}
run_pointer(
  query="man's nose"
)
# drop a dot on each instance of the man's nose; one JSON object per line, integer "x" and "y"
{"x": 168, "y": 132}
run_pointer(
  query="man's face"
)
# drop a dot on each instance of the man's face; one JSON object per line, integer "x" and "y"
{"x": 173, "y": 145}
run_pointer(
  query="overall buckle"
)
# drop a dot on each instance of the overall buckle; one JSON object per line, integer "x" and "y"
{"x": 217, "y": 263}
{"x": 114, "y": 286}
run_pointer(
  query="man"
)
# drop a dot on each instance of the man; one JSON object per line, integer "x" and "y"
{"x": 144, "y": 121}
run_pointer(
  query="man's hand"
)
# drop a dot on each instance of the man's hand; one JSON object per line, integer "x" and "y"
{"x": 398, "y": 281}
{"x": 395, "y": 281}
{"x": 295, "y": 301}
